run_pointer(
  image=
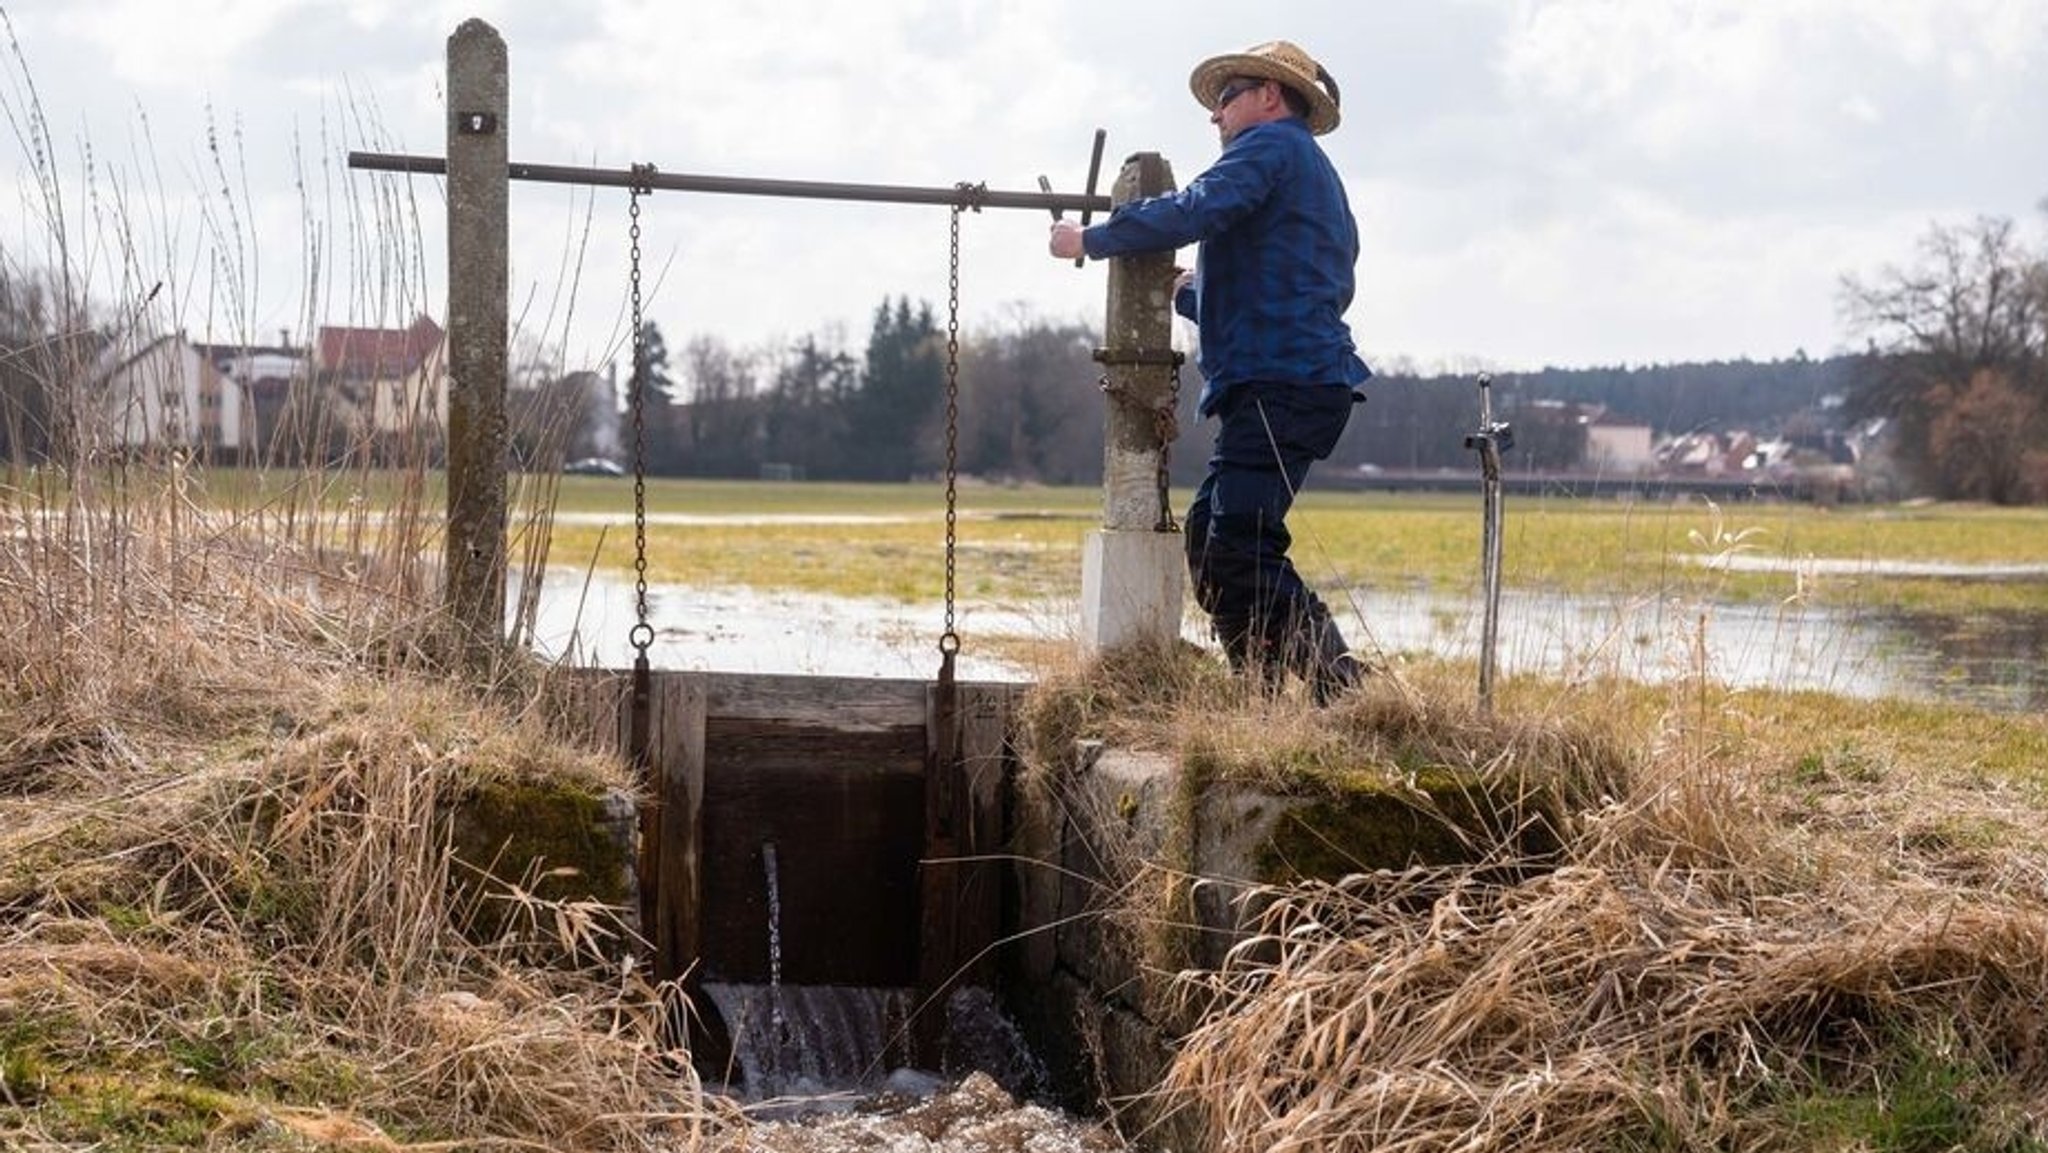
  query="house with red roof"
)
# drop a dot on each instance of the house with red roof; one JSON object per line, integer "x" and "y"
{"x": 399, "y": 376}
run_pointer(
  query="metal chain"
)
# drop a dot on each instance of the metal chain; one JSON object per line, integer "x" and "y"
{"x": 1167, "y": 422}
{"x": 1165, "y": 416}
{"x": 643, "y": 633}
{"x": 949, "y": 641}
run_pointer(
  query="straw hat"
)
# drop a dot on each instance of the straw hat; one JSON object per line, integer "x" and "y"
{"x": 1280, "y": 61}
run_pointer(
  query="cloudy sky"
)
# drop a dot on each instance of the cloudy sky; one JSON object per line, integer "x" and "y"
{"x": 1567, "y": 182}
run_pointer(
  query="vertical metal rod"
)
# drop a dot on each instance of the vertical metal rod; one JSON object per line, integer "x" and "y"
{"x": 1489, "y": 445}
{"x": 1094, "y": 172}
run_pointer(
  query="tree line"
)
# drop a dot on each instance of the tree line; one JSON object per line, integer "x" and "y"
{"x": 1953, "y": 377}
{"x": 1027, "y": 407}
{"x": 1955, "y": 369}
{"x": 1030, "y": 406}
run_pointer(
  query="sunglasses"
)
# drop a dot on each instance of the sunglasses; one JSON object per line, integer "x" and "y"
{"x": 1235, "y": 89}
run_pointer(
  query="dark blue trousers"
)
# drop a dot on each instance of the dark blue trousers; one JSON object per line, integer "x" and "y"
{"x": 1267, "y": 437}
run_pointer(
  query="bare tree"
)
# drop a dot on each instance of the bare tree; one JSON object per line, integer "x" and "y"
{"x": 1032, "y": 406}
{"x": 1959, "y": 358}
{"x": 716, "y": 430}
{"x": 1988, "y": 438}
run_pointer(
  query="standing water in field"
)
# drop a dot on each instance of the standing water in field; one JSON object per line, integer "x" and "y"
{"x": 1990, "y": 661}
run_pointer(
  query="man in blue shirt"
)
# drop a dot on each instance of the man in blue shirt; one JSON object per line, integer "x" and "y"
{"x": 1280, "y": 372}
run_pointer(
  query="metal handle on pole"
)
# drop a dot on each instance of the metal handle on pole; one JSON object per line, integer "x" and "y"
{"x": 1094, "y": 171}
{"x": 1492, "y": 438}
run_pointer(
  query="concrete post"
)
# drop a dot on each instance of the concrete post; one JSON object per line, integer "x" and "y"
{"x": 1131, "y": 569}
{"x": 478, "y": 247}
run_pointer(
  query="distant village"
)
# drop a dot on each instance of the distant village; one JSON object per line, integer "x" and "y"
{"x": 388, "y": 387}
{"x": 350, "y": 387}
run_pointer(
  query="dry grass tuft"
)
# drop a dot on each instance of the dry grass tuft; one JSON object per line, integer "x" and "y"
{"x": 1729, "y": 957}
{"x": 228, "y": 904}
{"x": 1183, "y": 700}
{"x": 1771, "y": 921}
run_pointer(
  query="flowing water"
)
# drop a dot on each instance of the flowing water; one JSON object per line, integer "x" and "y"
{"x": 804, "y": 1049}
{"x": 773, "y": 876}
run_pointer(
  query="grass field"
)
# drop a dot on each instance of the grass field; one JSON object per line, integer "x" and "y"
{"x": 1021, "y": 544}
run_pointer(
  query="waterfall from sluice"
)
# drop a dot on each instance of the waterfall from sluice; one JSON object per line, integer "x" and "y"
{"x": 831, "y": 1044}
{"x": 773, "y": 875}
{"x": 825, "y": 1046}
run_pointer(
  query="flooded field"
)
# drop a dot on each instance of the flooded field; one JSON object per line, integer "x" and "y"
{"x": 1991, "y": 660}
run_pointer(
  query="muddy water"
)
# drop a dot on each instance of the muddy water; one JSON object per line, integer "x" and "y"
{"x": 1994, "y": 661}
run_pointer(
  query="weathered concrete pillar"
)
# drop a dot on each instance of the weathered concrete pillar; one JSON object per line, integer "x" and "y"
{"x": 474, "y": 581}
{"x": 1131, "y": 569}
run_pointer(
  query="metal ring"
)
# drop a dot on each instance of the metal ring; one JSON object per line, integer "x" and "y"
{"x": 949, "y": 643}
{"x": 641, "y": 636}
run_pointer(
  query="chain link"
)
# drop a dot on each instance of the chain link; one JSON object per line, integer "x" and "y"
{"x": 643, "y": 632}
{"x": 1165, "y": 417}
{"x": 1167, "y": 422}
{"x": 949, "y": 641}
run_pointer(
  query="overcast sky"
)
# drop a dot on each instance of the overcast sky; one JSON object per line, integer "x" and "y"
{"x": 1568, "y": 182}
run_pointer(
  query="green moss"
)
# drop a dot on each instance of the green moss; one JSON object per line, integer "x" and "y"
{"x": 316, "y": 1077}
{"x": 127, "y": 1114}
{"x": 555, "y": 843}
{"x": 23, "y": 1074}
{"x": 1842, "y": 764}
{"x": 1439, "y": 817}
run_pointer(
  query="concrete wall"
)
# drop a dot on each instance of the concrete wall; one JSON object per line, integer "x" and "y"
{"x": 1126, "y": 877}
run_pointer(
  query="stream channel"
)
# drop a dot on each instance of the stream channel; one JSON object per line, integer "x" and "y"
{"x": 816, "y": 1066}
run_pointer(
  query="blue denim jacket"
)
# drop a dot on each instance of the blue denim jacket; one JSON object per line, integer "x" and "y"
{"x": 1274, "y": 275}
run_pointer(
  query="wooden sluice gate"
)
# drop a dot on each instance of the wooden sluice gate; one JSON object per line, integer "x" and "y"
{"x": 812, "y": 832}
{"x": 829, "y": 799}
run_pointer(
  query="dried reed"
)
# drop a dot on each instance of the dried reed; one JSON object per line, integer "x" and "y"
{"x": 231, "y": 747}
{"x": 1704, "y": 970}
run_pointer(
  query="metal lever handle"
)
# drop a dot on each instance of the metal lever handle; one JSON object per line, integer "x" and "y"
{"x": 1045, "y": 186}
{"x": 1094, "y": 173}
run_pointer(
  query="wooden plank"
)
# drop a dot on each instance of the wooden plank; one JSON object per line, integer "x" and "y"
{"x": 938, "y": 937}
{"x": 678, "y": 762}
{"x": 984, "y": 718}
{"x": 841, "y": 774}
{"x": 589, "y": 701}
{"x": 846, "y": 818}
{"x": 846, "y": 704}
{"x": 605, "y": 698}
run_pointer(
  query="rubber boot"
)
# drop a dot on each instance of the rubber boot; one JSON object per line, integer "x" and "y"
{"x": 1318, "y": 654}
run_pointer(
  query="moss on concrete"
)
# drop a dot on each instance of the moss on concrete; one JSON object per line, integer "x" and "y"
{"x": 1436, "y": 817}
{"x": 555, "y": 842}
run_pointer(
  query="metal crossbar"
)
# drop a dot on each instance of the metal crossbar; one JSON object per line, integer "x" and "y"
{"x": 968, "y": 196}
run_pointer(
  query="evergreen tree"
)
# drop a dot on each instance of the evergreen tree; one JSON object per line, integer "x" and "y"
{"x": 890, "y": 420}
{"x": 661, "y": 387}
{"x": 804, "y": 412}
